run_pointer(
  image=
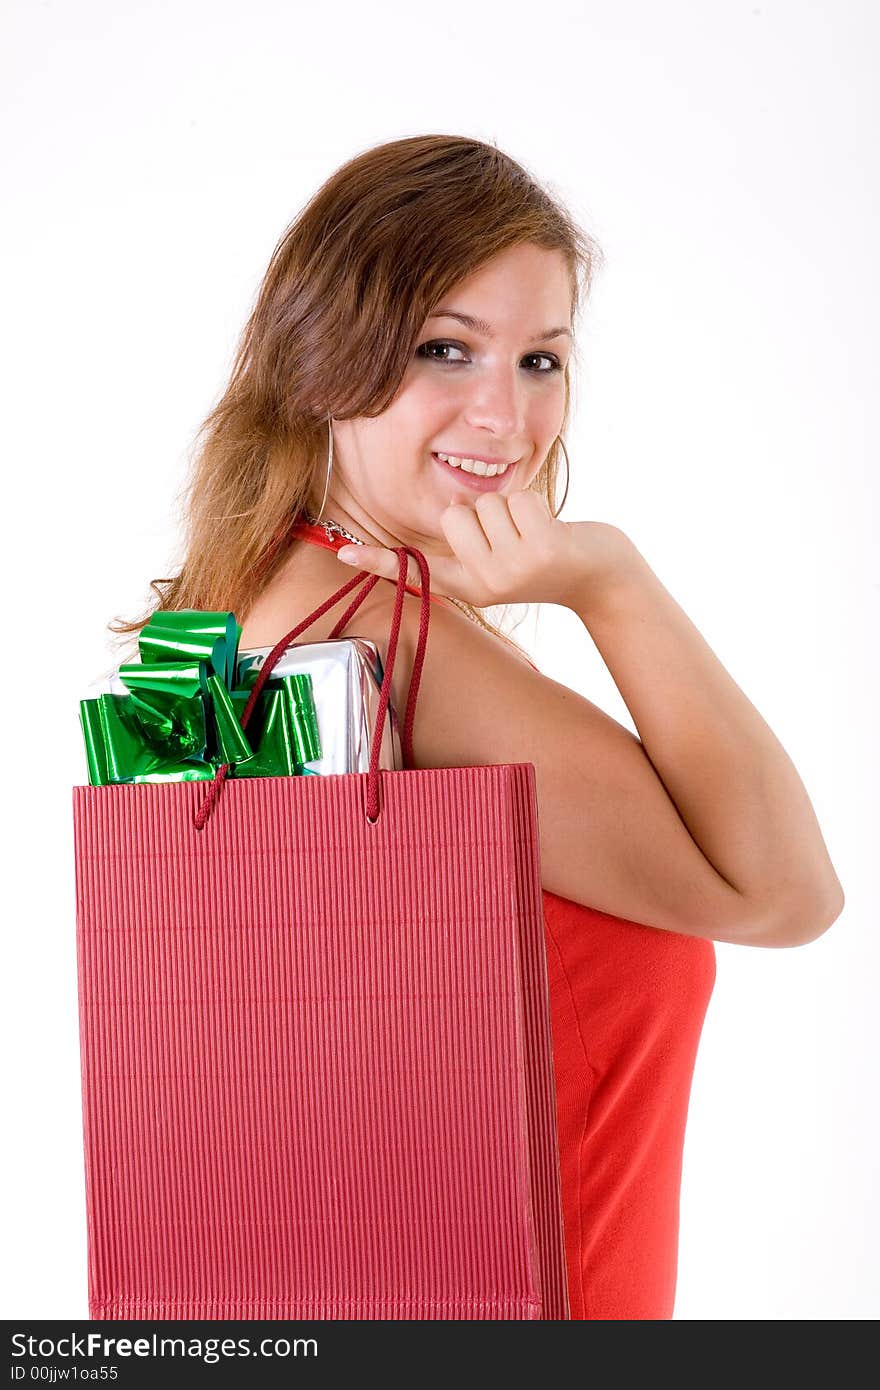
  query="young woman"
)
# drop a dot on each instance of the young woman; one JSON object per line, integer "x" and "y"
{"x": 404, "y": 379}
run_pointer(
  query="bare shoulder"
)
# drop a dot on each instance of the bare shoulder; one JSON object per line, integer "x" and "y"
{"x": 454, "y": 641}
{"x": 610, "y": 835}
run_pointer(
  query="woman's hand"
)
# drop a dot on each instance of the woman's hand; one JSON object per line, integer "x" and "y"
{"x": 511, "y": 550}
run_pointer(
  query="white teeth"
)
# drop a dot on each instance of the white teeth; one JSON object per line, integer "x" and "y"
{"x": 483, "y": 470}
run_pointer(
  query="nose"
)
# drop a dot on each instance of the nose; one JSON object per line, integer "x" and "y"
{"x": 496, "y": 403}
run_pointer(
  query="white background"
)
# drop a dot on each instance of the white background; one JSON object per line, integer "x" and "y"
{"x": 724, "y": 156}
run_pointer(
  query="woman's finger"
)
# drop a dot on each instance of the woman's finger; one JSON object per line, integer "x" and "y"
{"x": 379, "y": 559}
{"x": 495, "y": 516}
{"x": 531, "y": 513}
{"x": 374, "y": 559}
{"x": 462, "y": 529}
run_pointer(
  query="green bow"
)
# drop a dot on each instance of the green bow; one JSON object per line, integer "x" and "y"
{"x": 181, "y": 720}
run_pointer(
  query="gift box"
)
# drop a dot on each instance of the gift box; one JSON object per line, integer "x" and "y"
{"x": 314, "y": 1015}
{"x": 346, "y": 678}
{"x": 176, "y": 714}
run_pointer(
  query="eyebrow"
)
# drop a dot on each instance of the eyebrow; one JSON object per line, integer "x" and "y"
{"x": 486, "y": 329}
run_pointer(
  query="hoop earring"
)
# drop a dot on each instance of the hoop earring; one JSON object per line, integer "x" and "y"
{"x": 567, "y": 476}
{"x": 329, "y": 466}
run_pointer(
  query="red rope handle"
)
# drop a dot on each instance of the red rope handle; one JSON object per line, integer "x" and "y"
{"x": 418, "y": 659}
{"x": 367, "y": 583}
{"x": 384, "y": 694}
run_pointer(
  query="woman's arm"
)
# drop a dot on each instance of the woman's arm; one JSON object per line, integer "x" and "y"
{"x": 701, "y": 825}
{"x": 731, "y": 780}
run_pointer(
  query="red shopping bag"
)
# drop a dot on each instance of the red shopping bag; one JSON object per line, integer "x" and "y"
{"x": 315, "y": 1039}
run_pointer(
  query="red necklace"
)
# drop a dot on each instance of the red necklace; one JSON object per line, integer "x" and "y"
{"x": 320, "y": 533}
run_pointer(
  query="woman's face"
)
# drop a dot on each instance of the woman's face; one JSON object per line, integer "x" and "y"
{"x": 492, "y": 388}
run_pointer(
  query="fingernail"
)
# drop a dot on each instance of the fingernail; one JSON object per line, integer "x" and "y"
{"x": 348, "y": 554}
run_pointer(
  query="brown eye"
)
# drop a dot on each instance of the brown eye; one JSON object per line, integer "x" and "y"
{"x": 427, "y": 350}
{"x": 555, "y": 365}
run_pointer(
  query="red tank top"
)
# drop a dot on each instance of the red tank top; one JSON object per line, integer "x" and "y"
{"x": 627, "y": 1006}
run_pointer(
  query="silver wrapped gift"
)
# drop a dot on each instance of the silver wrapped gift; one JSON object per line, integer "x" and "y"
{"x": 346, "y": 679}
{"x": 346, "y": 675}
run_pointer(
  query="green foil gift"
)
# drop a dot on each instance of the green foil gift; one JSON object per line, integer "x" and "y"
{"x": 180, "y": 719}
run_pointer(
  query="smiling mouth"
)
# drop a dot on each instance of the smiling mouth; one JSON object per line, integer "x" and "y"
{"x": 475, "y": 468}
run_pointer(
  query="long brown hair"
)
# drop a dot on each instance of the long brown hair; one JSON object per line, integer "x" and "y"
{"x": 336, "y": 320}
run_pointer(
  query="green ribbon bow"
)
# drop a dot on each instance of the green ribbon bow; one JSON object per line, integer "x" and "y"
{"x": 181, "y": 720}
